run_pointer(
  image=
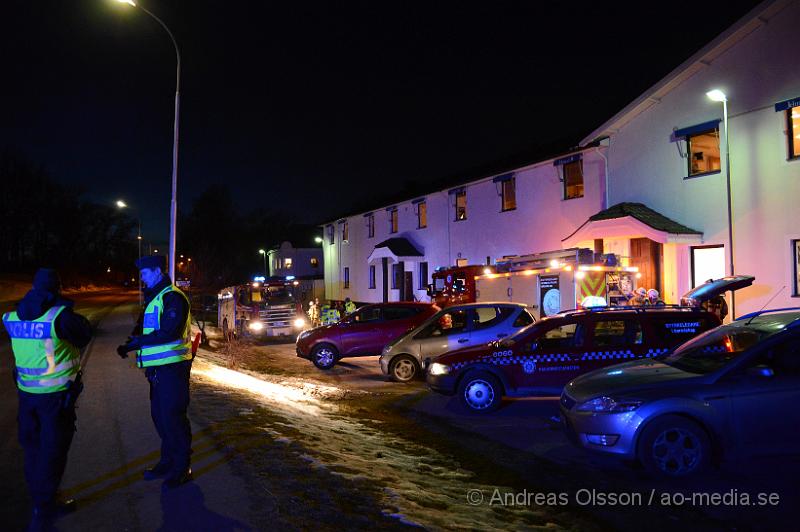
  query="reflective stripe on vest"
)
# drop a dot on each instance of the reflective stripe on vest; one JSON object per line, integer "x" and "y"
{"x": 169, "y": 353}
{"x": 44, "y": 362}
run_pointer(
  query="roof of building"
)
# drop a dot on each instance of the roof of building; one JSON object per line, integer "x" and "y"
{"x": 401, "y": 247}
{"x": 755, "y": 19}
{"x": 646, "y": 215}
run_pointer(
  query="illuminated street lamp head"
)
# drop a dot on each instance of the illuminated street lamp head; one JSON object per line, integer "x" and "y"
{"x": 318, "y": 239}
{"x": 129, "y": 2}
{"x": 121, "y": 204}
{"x": 261, "y": 251}
{"x": 717, "y": 95}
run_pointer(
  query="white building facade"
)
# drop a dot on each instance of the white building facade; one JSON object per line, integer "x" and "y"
{"x": 389, "y": 254}
{"x": 302, "y": 263}
{"x": 666, "y": 151}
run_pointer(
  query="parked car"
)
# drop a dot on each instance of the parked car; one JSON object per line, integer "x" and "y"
{"x": 455, "y": 327}
{"x": 362, "y": 333}
{"x": 730, "y": 393}
{"x": 543, "y": 357}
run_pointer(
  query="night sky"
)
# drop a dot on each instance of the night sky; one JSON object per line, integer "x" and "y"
{"x": 317, "y": 108}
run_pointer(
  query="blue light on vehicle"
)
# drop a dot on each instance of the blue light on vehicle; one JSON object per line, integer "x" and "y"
{"x": 290, "y": 277}
{"x": 615, "y": 372}
{"x": 259, "y": 278}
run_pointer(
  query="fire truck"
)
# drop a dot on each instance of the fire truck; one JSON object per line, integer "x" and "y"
{"x": 263, "y": 307}
{"x": 559, "y": 280}
{"x": 456, "y": 284}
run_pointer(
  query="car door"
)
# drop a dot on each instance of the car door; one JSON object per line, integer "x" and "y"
{"x": 764, "y": 400}
{"x": 397, "y": 321}
{"x": 449, "y": 332}
{"x": 613, "y": 339}
{"x": 361, "y": 332}
{"x": 551, "y": 357}
{"x": 489, "y": 324}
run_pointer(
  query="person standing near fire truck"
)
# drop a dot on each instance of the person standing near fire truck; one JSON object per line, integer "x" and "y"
{"x": 163, "y": 346}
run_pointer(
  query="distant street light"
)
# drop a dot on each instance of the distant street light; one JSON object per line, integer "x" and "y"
{"x": 261, "y": 251}
{"x": 122, "y": 205}
{"x": 173, "y": 213}
{"x": 318, "y": 239}
{"x": 719, "y": 96}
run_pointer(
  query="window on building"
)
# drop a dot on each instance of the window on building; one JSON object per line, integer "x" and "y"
{"x": 370, "y": 226}
{"x": 573, "y": 179}
{"x": 331, "y": 234}
{"x": 372, "y": 276}
{"x": 345, "y": 231}
{"x": 346, "y": 277}
{"x": 276, "y": 264}
{"x": 509, "y": 194}
{"x": 287, "y": 263}
{"x": 314, "y": 262}
{"x": 393, "y": 221}
{"x": 796, "y": 261}
{"x": 422, "y": 215}
{"x": 461, "y": 204}
{"x": 708, "y": 262}
{"x": 703, "y": 152}
{"x": 423, "y": 275}
{"x": 397, "y": 276}
{"x": 793, "y": 131}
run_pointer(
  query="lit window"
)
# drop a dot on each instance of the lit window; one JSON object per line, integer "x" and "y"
{"x": 509, "y": 194}
{"x": 370, "y": 225}
{"x": 314, "y": 262}
{"x": 573, "y": 179}
{"x": 422, "y": 215}
{"x": 793, "y": 128}
{"x": 703, "y": 152}
{"x": 461, "y": 204}
{"x": 346, "y": 277}
{"x": 393, "y": 221}
{"x": 287, "y": 263}
{"x": 345, "y": 231}
{"x": 372, "y": 276}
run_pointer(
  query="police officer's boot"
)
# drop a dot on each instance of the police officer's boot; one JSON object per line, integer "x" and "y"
{"x": 160, "y": 470}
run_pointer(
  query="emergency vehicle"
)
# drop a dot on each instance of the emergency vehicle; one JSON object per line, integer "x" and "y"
{"x": 455, "y": 285}
{"x": 558, "y": 280}
{"x": 263, "y": 307}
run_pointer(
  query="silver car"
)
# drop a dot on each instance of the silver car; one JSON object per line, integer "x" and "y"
{"x": 451, "y": 328}
{"x": 729, "y": 393}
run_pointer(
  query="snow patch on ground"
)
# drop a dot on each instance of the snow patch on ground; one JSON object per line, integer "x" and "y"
{"x": 427, "y": 488}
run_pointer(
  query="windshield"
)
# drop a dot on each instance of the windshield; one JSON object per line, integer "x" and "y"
{"x": 714, "y": 349}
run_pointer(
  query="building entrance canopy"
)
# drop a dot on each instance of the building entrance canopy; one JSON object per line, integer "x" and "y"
{"x": 397, "y": 249}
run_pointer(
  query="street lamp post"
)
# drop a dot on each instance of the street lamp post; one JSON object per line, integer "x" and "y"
{"x": 719, "y": 96}
{"x": 122, "y": 205}
{"x": 173, "y": 213}
{"x": 262, "y": 252}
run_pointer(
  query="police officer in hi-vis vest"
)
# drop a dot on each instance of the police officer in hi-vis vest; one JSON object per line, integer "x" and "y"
{"x": 46, "y": 338}
{"x": 163, "y": 348}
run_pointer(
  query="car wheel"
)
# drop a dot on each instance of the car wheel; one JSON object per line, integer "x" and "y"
{"x": 324, "y": 356}
{"x": 403, "y": 368}
{"x": 480, "y": 391}
{"x": 673, "y": 446}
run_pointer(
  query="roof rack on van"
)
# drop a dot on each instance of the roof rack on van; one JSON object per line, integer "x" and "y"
{"x": 769, "y": 311}
{"x": 636, "y": 308}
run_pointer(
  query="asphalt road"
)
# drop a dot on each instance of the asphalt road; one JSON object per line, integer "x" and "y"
{"x": 115, "y": 440}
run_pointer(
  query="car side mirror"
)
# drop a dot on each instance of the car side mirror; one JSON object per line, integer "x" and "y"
{"x": 761, "y": 372}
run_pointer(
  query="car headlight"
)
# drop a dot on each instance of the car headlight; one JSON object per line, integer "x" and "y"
{"x": 608, "y": 405}
{"x": 439, "y": 369}
{"x": 299, "y": 323}
{"x": 256, "y": 326}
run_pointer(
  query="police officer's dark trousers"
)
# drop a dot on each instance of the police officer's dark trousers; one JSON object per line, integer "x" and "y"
{"x": 46, "y": 426}
{"x": 169, "y": 399}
